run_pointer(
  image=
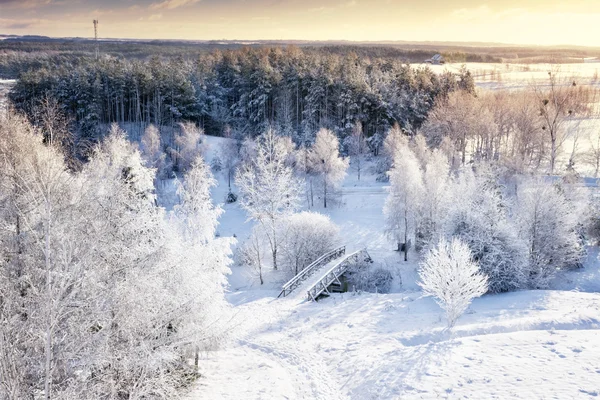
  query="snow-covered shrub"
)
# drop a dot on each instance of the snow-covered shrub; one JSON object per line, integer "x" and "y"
{"x": 373, "y": 280}
{"x": 305, "y": 237}
{"x": 449, "y": 274}
{"x": 363, "y": 276}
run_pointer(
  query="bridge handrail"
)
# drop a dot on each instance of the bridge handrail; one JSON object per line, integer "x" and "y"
{"x": 340, "y": 270}
{"x": 319, "y": 262}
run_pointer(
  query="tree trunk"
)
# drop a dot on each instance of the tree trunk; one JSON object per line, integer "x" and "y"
{"x": 552, "y": 154}
{"x": 274, "y": 247}
{"x": 49, "y": 322}
{"x": 312, "y": 197}
{"x": 325, "y": 193}
{"x": 405, "y": 235}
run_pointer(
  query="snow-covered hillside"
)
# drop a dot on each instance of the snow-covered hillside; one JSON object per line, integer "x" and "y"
{"x": 527, "y": 344}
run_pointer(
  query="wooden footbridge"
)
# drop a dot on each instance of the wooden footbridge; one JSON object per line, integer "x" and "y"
{"x": 323, "y": 275}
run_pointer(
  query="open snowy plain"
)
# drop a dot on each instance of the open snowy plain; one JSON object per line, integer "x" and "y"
{"x": 526, "y": 344}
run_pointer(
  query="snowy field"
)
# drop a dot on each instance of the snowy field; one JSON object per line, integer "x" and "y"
{"x": 528, "y": 344}
{"x": 519, "y": 76}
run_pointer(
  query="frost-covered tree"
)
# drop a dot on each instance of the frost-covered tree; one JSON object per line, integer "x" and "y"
{"x": 270, "y": 190}
{"x": 54, "y": 123}
{"x": 478, "y": 215}
{"x": 152, "y": 151}
{"x": 306, "y": 236}
{"x": 326, "y": 162}
{"x": 401, "y": 207}
{"x": 560, "y": 101}
{"x": 356, "y": 147}
{"x": 250, "y": 254}
{"x": 229, "y": 152}
{"x": 549, "y": 225}
{"x": 394, "y": 139}
{"x": 112, "y": 295}
{"x": 188, "y": 145}
{"x": 436, "y": 198}
{"x": 421, "y": 149}
{"x": 449, "y": 273}
{"x": 195, "y": 207}
{"x": 462, "y": 119}
{"x": 305, "y": 170}
{"x": 202, "y": 261}
{"x": 42, "y": 272}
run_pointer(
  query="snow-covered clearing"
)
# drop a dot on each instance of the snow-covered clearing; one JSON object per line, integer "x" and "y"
{"x": 528, "y": 344}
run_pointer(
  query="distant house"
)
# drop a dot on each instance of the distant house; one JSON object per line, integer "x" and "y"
{"x": 436, "y": 60}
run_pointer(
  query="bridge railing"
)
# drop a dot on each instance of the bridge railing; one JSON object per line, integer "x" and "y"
{"x": 293, "y": 283}
{"x": 334, "y": 273}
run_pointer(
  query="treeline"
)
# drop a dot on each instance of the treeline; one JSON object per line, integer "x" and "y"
{"x": 295, "y": 90}
{"x": 14, "y": 63}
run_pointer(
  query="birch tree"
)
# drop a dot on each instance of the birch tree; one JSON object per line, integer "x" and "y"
{"x": 560, "y": 101}
{"x": 327, "y": 163}
{"x": 356, "y": 145}
{"x": 401, "y": 207}
{"x": 269, "y": 188}
{"x": 449, "y": 274}
{"x": 549, "y": 224}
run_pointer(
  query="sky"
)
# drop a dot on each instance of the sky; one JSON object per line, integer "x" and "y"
{"x": 542, "y": 22}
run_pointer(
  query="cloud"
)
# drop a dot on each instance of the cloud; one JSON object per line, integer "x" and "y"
{"x": 24, "y": 3}
{"x": 19, "y": 23}
{"x": 171, "y": 4}
{"x": 470, "y": 14}
{"x": 155, "y": 17}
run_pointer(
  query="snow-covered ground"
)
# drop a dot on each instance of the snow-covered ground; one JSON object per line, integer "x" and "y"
{"x": 5, "y": 86}
{"x": 520, "y": 76}
{"x": 528, "y": 344}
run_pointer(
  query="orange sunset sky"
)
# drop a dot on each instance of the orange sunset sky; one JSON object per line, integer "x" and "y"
{"x": 543, "y": 22}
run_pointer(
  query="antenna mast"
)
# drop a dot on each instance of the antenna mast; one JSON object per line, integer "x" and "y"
{"x": 96, "y": 37}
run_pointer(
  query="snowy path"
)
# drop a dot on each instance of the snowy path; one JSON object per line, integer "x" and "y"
{"x": 256, "y": 366}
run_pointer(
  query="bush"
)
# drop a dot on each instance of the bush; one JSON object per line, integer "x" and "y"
{"x": 377, "y": 280}
{"x": 362, "y": 276}
{"x": 306, "y": 236}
